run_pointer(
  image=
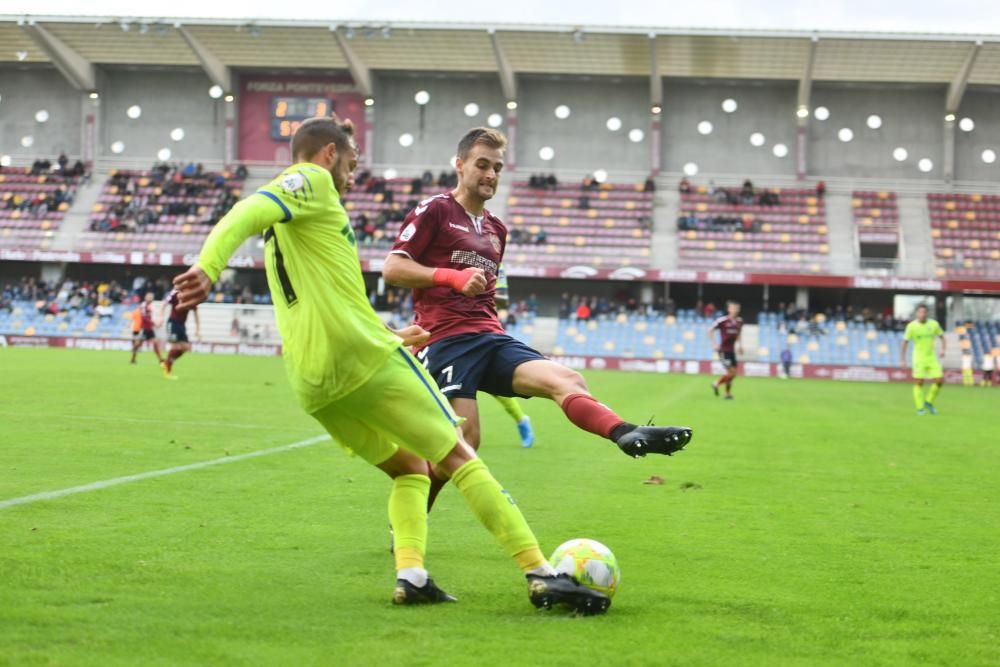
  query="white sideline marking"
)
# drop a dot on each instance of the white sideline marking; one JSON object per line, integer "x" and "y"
{"x": 135, "y": 420}
{"x": 104, "y": 484}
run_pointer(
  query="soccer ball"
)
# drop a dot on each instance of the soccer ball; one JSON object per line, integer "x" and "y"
{"x": 590, "y": 562}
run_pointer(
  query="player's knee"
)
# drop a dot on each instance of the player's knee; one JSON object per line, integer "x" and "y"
{"x": 460, "y": 454}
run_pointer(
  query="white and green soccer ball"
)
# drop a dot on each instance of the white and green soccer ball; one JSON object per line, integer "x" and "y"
{"x": 590, "y": 562}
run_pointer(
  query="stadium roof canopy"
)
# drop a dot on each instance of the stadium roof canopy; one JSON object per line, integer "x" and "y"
{"x": 509, "y": 49}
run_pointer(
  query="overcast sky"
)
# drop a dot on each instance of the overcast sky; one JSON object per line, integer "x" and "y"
{"x": 935, "y": 16}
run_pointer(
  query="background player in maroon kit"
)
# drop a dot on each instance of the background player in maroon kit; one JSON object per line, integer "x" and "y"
{"x": 449, "y": 252}
{"x": 147, "y": 328}
{"x": 729, "y": 327}
{"x": 177, "y": 331}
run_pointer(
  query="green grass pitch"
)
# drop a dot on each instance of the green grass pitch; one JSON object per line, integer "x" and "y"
{"x": 808, "y": 523}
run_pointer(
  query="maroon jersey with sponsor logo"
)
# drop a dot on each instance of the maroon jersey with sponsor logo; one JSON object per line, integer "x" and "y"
{"x": 176, "y": 314}
{"x": 441, "y": 234}
{"x": 146, "y": 313}
{"x": 729, "y": 330}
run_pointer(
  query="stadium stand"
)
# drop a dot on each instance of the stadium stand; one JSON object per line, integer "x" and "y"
{"x": 607, "y": 225}
{"x": 965, "y": 229}
{"x": 684, "y": 336}
{"x": 979, "y": 338}
{"x": 168, "y": 209}
{"x": 876, "y": 217}
{"x": 33, "y": 203}
{"x": 378, "y": 206}
{"x": 773, "y": 230}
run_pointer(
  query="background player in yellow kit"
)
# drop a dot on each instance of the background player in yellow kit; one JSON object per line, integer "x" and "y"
{"x": 926, "y": 364}
{"x": 353, "y": 375}
{"x": 509, "y": 403}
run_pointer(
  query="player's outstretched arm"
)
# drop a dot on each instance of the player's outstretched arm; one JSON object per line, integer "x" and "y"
{"x": 401, "y": 271}
{"x": 902, "y": 352}
{"x": 712, "y": 338}
{"x": 248, "y": 218}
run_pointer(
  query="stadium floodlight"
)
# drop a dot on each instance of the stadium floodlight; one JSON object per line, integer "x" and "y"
{"x": 601, "y": 175}
{"x": 134, "y": 111}
{"x": 471, "y": 109}
{"x": 494, "y": 120}
{"x": 989, "y": 156}
{"x": 406, "y": 140}
{"x": 229, "y": 97}
{"x": 177, "y": 134}
{"x": 845, "y": 134}
{"x": 41, "y": 116}
{"x": 546, "y": 153}
{"x": 562, "y": 112}
{"x": 966, "y": 125}
{"x": 369, "y": 101}
{"x": 117, "y": 147}
{"x": 874, "y": 121}
{"x": 511, "y": 105}
{"x": 94, "y": 95}
{"x": 422, "y": 97}
{"x": 27, "y": 141}
{"x": 925, "y": 165}
{"x": 215, "y": 92}
{"x": 821, "y": 113}
{"x": 5, "y": 160}
{"x": 780, "y": 150}
{"x": 390, "y": 174}
{"x": 705, "y": 127}
{"x": 949, "y": 118}
{"x": 690, "y": 169}
{"x": 899, "y": 154}
{"x": 802, "y": 111}
{"x": 729, "y": 105}
{"x": 635, "y": 135}
{"x": 656, "y": 109}
{"x": 614, "y": 124}
{"x": 757, "y": 139}
{"x": 163, "y": 154}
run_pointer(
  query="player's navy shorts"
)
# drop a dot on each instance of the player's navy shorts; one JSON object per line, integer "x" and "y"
{"x": 177, "y": 332}
{"x": 464, "y": 364}
{"x": 728, "y": 359}
{"x": 144, "y": 334}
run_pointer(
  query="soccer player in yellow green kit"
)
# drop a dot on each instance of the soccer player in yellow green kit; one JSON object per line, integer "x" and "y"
{"x": 926, "y": 364}
{"x": 353, "y": 375}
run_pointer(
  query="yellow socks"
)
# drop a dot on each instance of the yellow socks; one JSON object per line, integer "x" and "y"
{"x": 512, "y": 407}
{"x": 408, "y": 518}
{"x": 918, "y": 396}
{"x": 498, "y": 513}
{"x": 932, "y": 393}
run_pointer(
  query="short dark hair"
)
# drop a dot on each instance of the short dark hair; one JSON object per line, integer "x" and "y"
{"x": 730, "y": 302}
{"x": 481, "y": 135}
{"x": 314, "y": 133}
{"x": 922, "y": 305}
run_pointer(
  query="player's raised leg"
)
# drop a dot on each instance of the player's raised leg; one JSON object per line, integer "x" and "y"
{"x": 545, "y": 378}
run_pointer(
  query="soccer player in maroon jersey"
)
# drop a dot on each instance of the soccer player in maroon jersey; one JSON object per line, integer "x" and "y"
{"x": 449, "y": 251}
{"x": 147, "y": 328}
{"x": 729, "y": 327}
{"x": 177, "y": 331}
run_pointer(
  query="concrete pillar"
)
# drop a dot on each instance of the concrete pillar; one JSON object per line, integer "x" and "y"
{"x": 646, "y": 293}
{"x": 948, "y": 159}
{"x": 802, "y": 148}
{"x": 802, "y": 298}
{"x": 368, "y": 156}
{"x": 229, "y": 143}
{"x": 511, "y": 139}
{"x": 655, "y": 143}
{"x": 52, "y": 273}
{"x": 90, "y": 130}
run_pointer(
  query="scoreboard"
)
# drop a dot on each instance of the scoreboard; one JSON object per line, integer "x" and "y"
{"x": 287, "y": 113}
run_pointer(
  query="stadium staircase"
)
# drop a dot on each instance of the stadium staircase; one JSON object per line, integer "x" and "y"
{"x": 77, "y": 218}
{"x": 843, "y": 249}
{"x": 663, "y": 244}
{"x": 916, "y": 254}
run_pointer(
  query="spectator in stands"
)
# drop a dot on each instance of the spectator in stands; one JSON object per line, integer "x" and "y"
{"x": 747, "y": 192}
{"x": 416, "y": 186}
{"x": 104, "y": 310}
{"x": 820, "y": 189}
{"x": 241, "y": 172}
{"x": 649, "y": 185}
{"x": 584, "y": 203}
{"x": 583, "y": 311}
{"x": 709, "y": 310}
{"x": 590, "y": 183}
{"x": 564, "y": 306}
{"x": 62, "y": 162}
{"x": 541, "y": 237}
{"x": 551, "y": 183}
{"x": 427, "y": 178}
{"x": 645, "y": 222}
{"x": 684, "y": 187}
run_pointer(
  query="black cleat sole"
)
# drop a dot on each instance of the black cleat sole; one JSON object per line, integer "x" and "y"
{"x": 564, "y": 591}
{"x": 666, "y": 440}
